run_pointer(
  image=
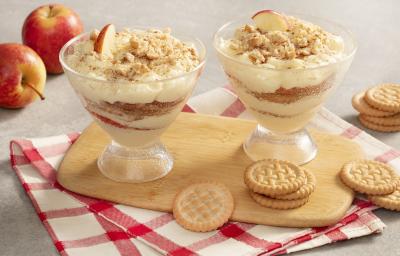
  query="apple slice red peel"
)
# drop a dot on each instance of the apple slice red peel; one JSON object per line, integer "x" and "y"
{"x": 268, "y": 20}
{"x": 105, "y": 41}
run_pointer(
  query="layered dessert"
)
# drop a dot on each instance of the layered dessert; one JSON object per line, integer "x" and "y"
{"x": 281, "y": 67}
{"x": 134, "y": 82}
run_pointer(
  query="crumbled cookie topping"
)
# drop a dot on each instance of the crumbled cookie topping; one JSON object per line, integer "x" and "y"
{"x": 138, "y": 55}
{"x": 302, "y": 39}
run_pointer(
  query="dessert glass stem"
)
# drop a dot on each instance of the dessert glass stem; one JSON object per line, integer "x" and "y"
{"x": 135, "y": 165}
{"x": 297, "y": 147}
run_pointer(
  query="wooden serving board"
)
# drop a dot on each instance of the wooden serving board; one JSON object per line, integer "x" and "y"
{"x": 210, "y": 148}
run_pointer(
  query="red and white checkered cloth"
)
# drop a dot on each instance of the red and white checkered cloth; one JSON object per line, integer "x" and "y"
{"x": 80, "y": 225}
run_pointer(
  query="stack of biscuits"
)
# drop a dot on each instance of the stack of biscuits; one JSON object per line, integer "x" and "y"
{"x": 379, "y": 107}
{"x": 375, "y": 179}
{"x": 279, "y": 184}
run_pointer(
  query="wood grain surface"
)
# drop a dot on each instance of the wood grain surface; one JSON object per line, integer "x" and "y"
{"x": 210, "y": 148}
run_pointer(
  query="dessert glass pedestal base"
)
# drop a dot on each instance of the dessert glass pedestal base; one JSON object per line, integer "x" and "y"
{"x": 297, "y": 147}
{"x": 135, "y": 165}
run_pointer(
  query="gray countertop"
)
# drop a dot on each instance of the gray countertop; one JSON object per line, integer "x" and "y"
{"x": 375, "y": 24}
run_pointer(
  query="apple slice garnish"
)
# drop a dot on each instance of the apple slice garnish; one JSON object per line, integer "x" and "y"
{"x": 268, "y": 20}
{"x": 105, "y": 41}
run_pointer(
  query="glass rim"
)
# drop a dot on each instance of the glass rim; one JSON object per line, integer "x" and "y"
{"x": 300, "y": 15}
{"x": 80, "y": 36}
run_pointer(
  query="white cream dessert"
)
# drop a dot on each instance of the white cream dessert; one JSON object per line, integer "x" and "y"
{"x": 282, "y": 68}
{"x": 135, "y": 81}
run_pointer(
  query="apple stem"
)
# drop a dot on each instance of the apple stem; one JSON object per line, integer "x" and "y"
{"x": 37, "y": 92}
{"x": 50, "y": 14}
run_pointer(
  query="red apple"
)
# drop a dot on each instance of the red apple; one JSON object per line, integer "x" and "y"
{"x": 22, "y": 75}
{"x": 47, "y": 29}
{"x": 268, "y": 20}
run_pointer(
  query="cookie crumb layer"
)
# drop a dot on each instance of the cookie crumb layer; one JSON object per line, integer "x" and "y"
{"x": 302, "y": 45}
{"x": 138, "y": 55}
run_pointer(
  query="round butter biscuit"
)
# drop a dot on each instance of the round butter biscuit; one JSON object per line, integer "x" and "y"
{"x": 203, "y": 206}
{"x": 304, "y": 191}
{"x": 390, "y": 201}
{"x": 385, "y": 97}
{"x": 363, "y": 107}
{"x": 274, "y": 177}
{"x": 369, "y": 177}
{"x": 277, "y": 203}
{"x": 378, "y": 127}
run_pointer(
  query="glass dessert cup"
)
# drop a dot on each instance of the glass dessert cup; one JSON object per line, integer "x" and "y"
{"x": 283, "y": 101}
{"x": 134, "y": 115}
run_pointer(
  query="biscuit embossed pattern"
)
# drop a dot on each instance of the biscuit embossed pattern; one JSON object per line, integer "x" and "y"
{"x": 370, "y": 177}
{"x": 304, "y": 191}
{"x": 359, "y": 103}
{"x": 203, "y": 206}
{"x": 274, "y": 177}
{"x": 385, "y": 97}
